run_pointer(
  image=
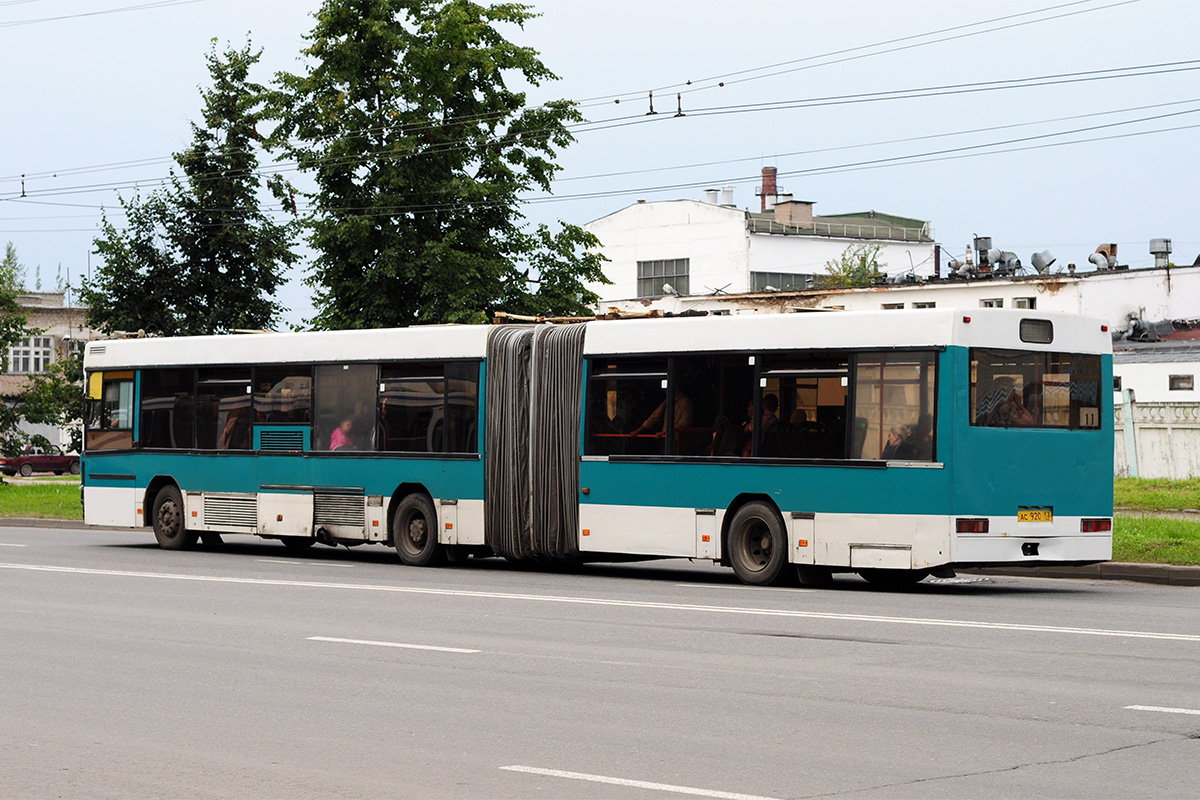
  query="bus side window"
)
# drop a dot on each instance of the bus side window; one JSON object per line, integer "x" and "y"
{"x": 344, "y": 401}
{"x": 109, "y": 411}
{"x": 626, "y": 407}
{"x": 895, "y": 416}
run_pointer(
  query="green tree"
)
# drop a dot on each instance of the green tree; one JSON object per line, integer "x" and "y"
{"x": 856, "y": 267}
{"x": 420, "y": 152}
{"x": 201, "y": 255}
{"x": 55, "y": 397}
{"x": 12, "y": 271}
{"x": 13, "y": 329}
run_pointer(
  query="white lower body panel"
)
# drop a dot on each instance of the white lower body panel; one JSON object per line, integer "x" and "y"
{"x": 1013, "y": 542}
{"x": 464, "y": 518}
{"x": 849, "y": 541}
{"x": 116, "y": 507}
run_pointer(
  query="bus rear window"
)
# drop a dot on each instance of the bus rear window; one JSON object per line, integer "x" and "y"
{"x": 1026, "y": 389}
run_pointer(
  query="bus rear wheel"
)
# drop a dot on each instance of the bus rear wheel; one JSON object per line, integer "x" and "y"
{"x": 170, "y": 528}
{"x": 414, "y": 532}
{"x": 757, "y": 545}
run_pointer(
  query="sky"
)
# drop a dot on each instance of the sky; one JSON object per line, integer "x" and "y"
{"x": 1045, "y": 124}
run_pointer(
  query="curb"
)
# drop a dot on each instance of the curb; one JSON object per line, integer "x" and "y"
{"x": 40, "y": 522}
{"x": 1167, "y": 574}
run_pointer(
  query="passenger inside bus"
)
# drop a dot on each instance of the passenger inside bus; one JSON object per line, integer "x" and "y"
{"x": 340, "y": 438}
{"x": 236, "y": 434}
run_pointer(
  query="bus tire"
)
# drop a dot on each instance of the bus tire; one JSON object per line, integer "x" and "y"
{"x": 414, "y": 532}
{"x": 170, "y": 526}
{"x": 757, "y": 544}
{"x": 893, "y": 578}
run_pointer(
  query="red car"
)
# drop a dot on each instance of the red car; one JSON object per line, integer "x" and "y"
{"x": 36, "y": 459}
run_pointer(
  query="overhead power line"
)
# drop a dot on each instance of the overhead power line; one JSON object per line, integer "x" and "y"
{"x": 589, "y": 127}
{"x": 140, "y": 7}
{"x": 805, "y": 63}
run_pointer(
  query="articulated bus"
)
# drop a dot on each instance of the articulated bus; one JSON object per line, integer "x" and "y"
{"x": 891, "y": 444}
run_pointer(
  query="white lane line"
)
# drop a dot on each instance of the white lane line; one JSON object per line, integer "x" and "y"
{"x": 660, "y": 787}
{"x": 644, "y": 604}
{"x": 5, "y": 544}
{"x": 1165, "y": 710}
{"x": 393, "y": 644}
{"x": 294, "y": 562}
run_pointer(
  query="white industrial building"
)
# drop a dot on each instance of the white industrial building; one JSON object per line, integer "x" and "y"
{"x": 712, "y": 247}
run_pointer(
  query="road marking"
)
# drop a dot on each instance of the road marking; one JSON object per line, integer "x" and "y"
{"x": 644, "y": 604}
{"x": 293, "y": 562}
{"x": 393, "y": 644}
{"x": 5, "y": 544}
{"x": 1165, "y": 710}
{"x": 660, "y": 787}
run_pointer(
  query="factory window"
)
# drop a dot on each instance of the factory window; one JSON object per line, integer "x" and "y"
{"x": 1182, "y": 383}
{"x": 1024, "y": 302}
{"x": 892, "y": 306}
{"x": 783, "y": 281}
{"x": 654, "y": 277}
{"x": 994, "y": 302}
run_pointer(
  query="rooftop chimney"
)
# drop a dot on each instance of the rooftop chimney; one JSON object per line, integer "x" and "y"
{"x": 768, "y": 190}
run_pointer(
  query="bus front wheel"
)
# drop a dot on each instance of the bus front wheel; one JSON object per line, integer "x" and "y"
{"x": 170, "y": 528}
{"x": 414, "y": 532}
{"x": 757, "y": 546}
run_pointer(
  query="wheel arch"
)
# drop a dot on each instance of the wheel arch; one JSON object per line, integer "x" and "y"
{"x": 403, "y": 491}
{"x": 734, "y": 507}
{"x": 152, "y": 489}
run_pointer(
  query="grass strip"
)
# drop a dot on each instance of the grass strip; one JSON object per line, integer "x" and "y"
{"x": 1156, "y": 540}
{"x": 50, "y": 499}
{"x": 1156, "y": 494}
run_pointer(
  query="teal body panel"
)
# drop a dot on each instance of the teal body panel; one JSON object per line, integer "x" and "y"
{"x": 995, "y": 470}
{"x": 981, "y": 471}
{"x": 459, "y": 478}
{"x": 793, "y": 487}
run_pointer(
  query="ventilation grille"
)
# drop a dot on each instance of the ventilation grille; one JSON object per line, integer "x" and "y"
{"x": 339, "y": 508}
{"x": 97, "y": 349}
{"x": 237, "y": 510}
{"x": 286, "y": 441}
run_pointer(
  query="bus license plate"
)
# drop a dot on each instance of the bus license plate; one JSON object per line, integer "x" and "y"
{"x": 1035, "y": 515}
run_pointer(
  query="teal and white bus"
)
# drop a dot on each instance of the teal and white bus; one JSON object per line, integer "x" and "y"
{"x": 891, "y": 444}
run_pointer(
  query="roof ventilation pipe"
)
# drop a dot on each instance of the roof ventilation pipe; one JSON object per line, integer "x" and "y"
{"x": 1160, "y": 249}
{"x": 1042, "y": 261}
{"x": 727, "y": 195}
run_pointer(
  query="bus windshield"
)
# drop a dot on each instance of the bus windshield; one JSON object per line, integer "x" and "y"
{"x": 1027, "y": 389}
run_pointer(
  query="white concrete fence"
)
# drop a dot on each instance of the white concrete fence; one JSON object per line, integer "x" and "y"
{"x": 1164, "y": 439}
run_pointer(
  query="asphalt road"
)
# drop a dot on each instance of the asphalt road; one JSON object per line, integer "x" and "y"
{"x": 251, "y": 671}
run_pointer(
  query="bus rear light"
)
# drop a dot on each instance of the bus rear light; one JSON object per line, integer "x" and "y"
{"x": 971, "y": 525}
{"x": 1095, "y": 525}
{"x": 966, "y": 319}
